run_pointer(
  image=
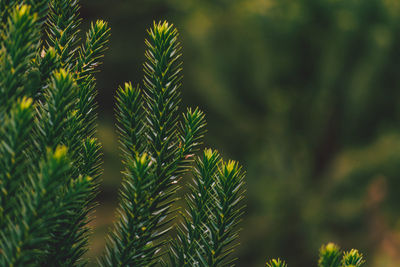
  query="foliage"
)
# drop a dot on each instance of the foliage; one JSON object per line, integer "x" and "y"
{"x": 330, "y": 256}
{"x": 213, "y": 210}
{"x": 50, "y": 160}
{"x": 309, "y": 92}
{"x": 157, "y": 148}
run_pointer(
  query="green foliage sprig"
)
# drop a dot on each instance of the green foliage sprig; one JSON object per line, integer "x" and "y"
{"x": 62, "y": 30}
{"x": 13, "y": 164}
{"x": 22, "y": 241}
{"x": 225, "y": 214}
{"x": 200, "y": 201}
{"x": 214, "y": 209}
{"x": 156, "y": 147}
{"x": 18, "y": 48}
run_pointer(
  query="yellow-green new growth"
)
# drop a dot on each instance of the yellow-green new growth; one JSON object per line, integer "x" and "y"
{"x": 329, "y": 256}
{"x": 60, "y": 152}
{"x": 352, "y": 258}
{"x": 143, "y": 159}
{"x": 329, "y": 248}
{"x": 25, "y": 103}
{"x": 231, "y": 166}
{"x": 208, "y": 153}
{"x": 22, "y": 12}
{"x": 276, "y": 263}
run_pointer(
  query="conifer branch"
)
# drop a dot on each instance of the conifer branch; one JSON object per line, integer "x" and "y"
{"x": 91, "y": 158}
{"x": 70, "y": 237}
{"x": 162, "y": 81}
{"x": 46, "y": 62}
{"x": 53, "y": 113}
{"x": 200, "y": 201}
{"x": 90, "y": 55}
{"x": 87, "y": 154}
{"x": 132, "y": 241}
{"x": 329, "y": 256}
{"x": 17, "y": 50}
{"x": 80, "y": 123}
{"x": 129, "y": 112}
{"x": 20, "y": 241}
{"x": 57, "y": 124}
{"x": 92, "y": 51}
{"x": 62, "y": 30}
{"x": 14, "y": 161}
{"x": 61, "y": 99}
{"x": 217, "y": 243}
{"x": 352, "y": 258}
{"x": 192, "y": 131}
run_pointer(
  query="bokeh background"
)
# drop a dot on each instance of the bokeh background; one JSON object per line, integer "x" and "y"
{"x": 304, "y": 93}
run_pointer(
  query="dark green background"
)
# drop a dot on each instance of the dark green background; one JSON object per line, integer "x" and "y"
{"x": 304, "y": 93}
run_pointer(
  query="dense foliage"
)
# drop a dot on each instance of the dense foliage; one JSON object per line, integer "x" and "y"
{"x": 158, "y": 146}
{"x": 309, "y": 92}
{"x": 50, "y": 159}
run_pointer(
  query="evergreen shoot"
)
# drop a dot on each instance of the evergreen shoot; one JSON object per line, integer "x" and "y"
{"x": 214, "y": 208}
{"x": 156, "y": 148}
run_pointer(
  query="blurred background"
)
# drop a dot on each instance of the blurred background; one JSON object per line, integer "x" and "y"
{"x": 304, "y": 93}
